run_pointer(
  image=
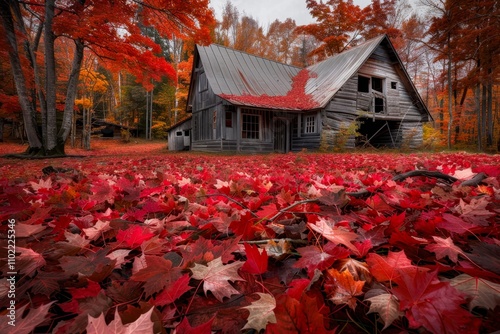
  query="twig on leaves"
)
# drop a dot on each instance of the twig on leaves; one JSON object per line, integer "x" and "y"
{"x": 265, "y": 241}
{"x": 291, "y": 206}
{"x": 232, "y": 200}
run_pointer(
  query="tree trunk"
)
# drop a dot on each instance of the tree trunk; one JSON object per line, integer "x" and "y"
{"x": 489, "y": 111}
{"x": 35, "y": 143}
{"x": 69, "y": 103}
{"x": 1, "y": 128}
{"x": 50, "y": 77}
{"x": 477, "y": 101}
{"x": 450, "y": 98}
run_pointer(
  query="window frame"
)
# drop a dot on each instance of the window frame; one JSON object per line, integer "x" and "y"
{"x": 259, "y": 127}
{"x": 310, "y": 124}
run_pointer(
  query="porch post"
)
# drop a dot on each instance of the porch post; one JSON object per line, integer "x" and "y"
{"x": 288, "y": 133}
{"x": 238, "y": 128}
{"x": 299, "y": 124}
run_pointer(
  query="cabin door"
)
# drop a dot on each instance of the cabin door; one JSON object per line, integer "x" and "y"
{"x": 281, "y": 135}
{"x": 187, "y": 139}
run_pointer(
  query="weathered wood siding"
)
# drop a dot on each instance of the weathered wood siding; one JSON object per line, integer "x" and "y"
{"x": 176, "y": 141}
{"x": 412, "y": 134}
{"x": 399, "y": 106}
{"x": 302, "y": 140}
{"x": 212, "y": 133}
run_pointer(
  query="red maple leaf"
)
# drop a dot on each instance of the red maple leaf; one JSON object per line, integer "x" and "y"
{"x": 391, "y": 267}
{"x": 299, "y": 316}
{"x": 185, "y": 328}
{"x": 445, "y": 247}
{"x": 157, "y": 274}
{"x": 102, "y": 191}
{"x": 335, "y": 234}
{"x": 257, "y": 259}
{"x": 433, "y": 304}
{"x": 91, "y": 290}
{"x": 172, "y": 292}
{"x": 312, "y": 258}
{"x": 454, "y": 224}
{"x": 246, "y": 227}
{"x": 134, "y": 236}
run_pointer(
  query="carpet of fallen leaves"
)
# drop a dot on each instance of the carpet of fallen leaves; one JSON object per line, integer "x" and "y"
{"x": 148, "y": 241}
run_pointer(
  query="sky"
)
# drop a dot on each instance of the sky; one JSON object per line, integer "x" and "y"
{"x": 266, "y": 11}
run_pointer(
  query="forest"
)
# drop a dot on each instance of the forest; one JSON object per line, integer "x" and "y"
{"x": 66, "y": 65}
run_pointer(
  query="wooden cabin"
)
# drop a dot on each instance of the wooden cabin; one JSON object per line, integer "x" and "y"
{"x": 243, "y": 103}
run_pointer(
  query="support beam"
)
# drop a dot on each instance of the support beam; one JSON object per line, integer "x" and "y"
{"x": 238, "y": 129}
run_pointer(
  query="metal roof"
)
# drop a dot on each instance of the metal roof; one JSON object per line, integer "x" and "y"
{"x": 332, "y": 73}
{"x": 233, "y": 73}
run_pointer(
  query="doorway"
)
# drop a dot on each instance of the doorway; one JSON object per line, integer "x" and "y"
{"x": 281, "y": 135}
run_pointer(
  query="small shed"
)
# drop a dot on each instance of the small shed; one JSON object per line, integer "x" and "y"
{"x": 179, "y": 135}
{"x": 244, "y": 103}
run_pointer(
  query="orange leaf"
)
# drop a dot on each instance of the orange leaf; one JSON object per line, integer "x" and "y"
{"x": 342, "y": 287}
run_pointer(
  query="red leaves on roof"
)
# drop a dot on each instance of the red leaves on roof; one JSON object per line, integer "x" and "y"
{"x": 295, "y": 99}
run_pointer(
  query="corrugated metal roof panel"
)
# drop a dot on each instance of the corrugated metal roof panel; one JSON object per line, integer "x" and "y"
{"x": 332, "y": 73}
{"x": 232, "y": 72}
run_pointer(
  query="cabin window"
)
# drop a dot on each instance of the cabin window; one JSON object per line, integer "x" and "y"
{"x": 229, "y": 119}
{"x": 178, "y": 133}
{"x": 394, "y": 85}
{"x": 186, "y": 133}
{"x": 363, "y": 84}
{"x": 250, "y": 127}
{"x": 379, "y": 105}
{"x": 378, "y": 84}
{"x": 310, "y": 124}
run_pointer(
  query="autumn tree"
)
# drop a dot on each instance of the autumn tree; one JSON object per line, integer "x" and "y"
{"x": 228, "y": 27}
{"x": 281, "y": 40}
{"x": 384, "y": 17}
{"x": 463, "y": 34}
{"x": 109, "y": 29}
{"x": 338, "y": 25}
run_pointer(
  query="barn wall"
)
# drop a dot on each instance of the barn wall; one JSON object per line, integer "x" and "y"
{"x": 213, "y": 135}
{"x": 348, "y": 104}
{"x": 413, "y": 134}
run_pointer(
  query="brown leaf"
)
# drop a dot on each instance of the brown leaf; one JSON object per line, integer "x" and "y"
{"x": 387, "y": 306}
{"x": 261, "y": 312}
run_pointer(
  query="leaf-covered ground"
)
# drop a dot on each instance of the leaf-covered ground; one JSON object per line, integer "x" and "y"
{"x": 147, "y": 241}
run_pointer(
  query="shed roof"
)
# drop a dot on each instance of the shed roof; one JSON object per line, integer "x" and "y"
{"x": 182, "y": 121}
{"x": 233, "y": 74}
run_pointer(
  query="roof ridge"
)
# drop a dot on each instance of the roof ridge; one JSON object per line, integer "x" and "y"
{"x": 250, "y": 54}
{"x": 371, "y": 40}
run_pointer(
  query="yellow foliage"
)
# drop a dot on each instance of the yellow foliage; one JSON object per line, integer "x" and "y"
{"x": 432, "y": 137}
{"x": 83, "y": 103}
